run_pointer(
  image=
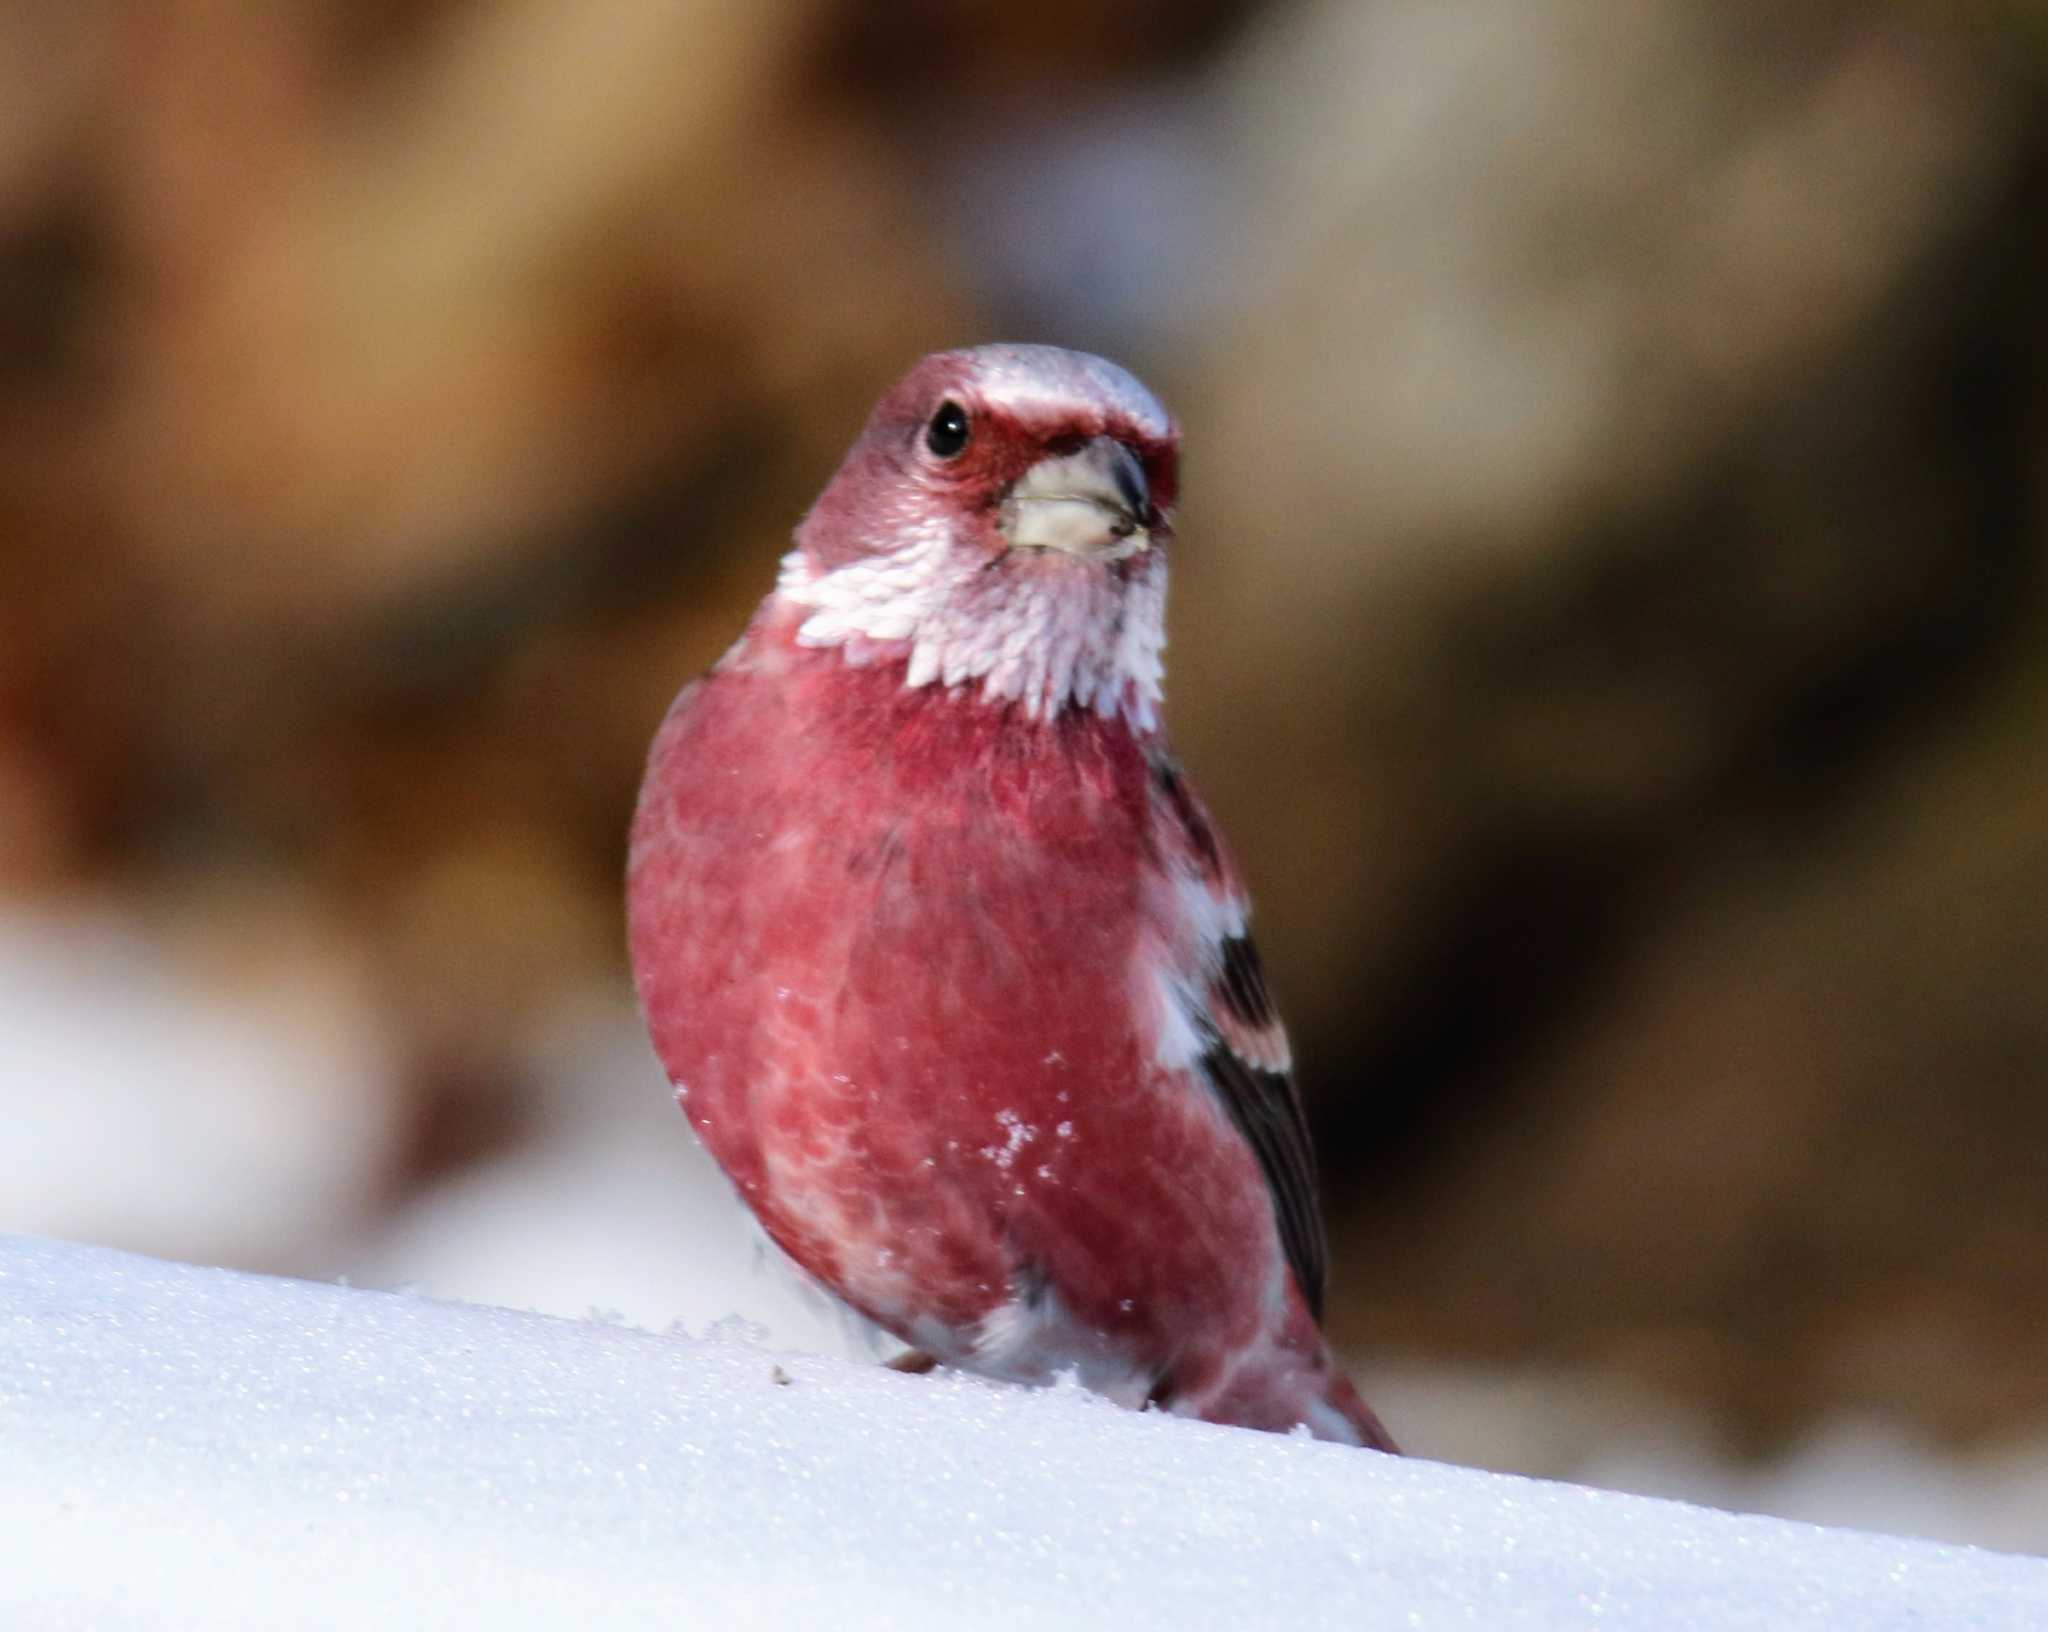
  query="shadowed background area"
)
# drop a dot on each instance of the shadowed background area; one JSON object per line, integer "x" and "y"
{"x": 1608, "y": 619}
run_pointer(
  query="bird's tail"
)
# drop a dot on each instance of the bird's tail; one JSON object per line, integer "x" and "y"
{"x": 1342, "y": 1398}
{"x": 1301, "y": 1387}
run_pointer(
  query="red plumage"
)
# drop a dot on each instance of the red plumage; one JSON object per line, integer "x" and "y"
{"x": 943, "y": 955}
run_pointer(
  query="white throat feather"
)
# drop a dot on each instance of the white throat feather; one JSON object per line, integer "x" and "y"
{"x": 1044, "y": 631}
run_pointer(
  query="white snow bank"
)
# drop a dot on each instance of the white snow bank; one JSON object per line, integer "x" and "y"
{"x": 200, "y": 1449}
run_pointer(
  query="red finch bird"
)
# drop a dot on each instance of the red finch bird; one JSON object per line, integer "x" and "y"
{"x": 944, "y": 957}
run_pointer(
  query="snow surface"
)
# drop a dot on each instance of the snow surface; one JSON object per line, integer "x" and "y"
{"x": 201, "y": 1449}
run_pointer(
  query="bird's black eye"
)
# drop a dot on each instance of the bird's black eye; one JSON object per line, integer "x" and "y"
{"x": 946, "y": 435}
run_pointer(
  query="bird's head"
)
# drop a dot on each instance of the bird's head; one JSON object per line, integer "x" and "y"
{"x": 1004, "y": 448}
{"x": 1001, "y": 519}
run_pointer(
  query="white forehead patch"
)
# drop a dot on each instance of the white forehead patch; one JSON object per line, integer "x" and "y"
{"x": 1038, "y": 382}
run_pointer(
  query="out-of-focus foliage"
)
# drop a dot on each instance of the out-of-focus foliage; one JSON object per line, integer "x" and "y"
{"x": 1608, "y": 617}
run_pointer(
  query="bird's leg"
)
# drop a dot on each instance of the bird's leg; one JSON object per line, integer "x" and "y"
{"x": 914, "y": 1362}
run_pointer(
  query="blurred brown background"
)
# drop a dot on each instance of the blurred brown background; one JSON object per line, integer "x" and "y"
{"x": 1609, "y": 619}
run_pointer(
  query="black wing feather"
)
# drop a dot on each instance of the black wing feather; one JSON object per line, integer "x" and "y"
{"x": 1267, "y": 1109}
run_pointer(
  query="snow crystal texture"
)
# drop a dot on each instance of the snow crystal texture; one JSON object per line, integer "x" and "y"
{"x": 193, "y": 1448}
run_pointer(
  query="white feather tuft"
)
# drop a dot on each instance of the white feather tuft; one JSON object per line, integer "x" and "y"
{"x": 1046, "y": 632}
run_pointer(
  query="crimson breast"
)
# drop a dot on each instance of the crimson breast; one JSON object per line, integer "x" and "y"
{"x": 885, "y": 942}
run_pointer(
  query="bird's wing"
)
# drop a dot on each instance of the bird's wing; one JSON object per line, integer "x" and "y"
{"x": 1243, "y": 1053}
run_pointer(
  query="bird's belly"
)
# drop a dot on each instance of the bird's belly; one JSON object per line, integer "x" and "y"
{"x": 906, "y": 1027}
{"x": 1024, "y": 1198}
{"x": 926, "y": 1140}
{"x": 968, "y": 1143}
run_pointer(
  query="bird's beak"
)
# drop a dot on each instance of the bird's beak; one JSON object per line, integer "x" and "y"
{"x": 1091, "y": 503}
